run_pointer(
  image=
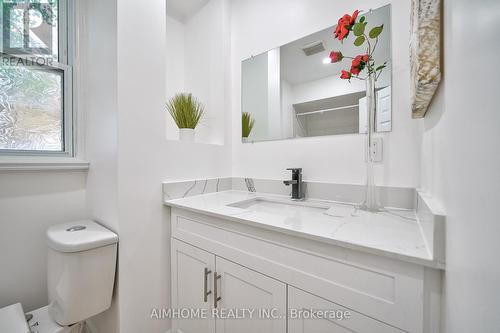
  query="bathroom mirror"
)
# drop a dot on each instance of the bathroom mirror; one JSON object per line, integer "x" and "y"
{"x": 294, "y": 90}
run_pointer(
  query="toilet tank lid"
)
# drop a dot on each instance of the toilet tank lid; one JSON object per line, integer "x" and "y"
{"x": 79, "y": 236}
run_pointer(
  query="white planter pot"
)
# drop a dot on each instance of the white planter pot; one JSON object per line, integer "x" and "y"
{"x": 186, "y": 134}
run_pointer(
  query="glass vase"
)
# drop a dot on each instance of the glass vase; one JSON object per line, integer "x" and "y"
{"x": 371, "y": 202}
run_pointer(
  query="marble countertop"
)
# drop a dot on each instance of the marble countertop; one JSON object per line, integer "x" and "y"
{"x": 396, "y": 233}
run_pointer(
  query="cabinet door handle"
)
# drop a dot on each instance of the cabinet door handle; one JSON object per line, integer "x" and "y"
{"x": 205, "y": 285}
{"x": 217, "y": 298}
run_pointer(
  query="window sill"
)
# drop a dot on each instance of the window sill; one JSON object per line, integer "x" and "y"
{"x": 42, "y": 164}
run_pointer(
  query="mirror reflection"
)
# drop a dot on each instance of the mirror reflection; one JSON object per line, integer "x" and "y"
{"x": 295, "y": 90}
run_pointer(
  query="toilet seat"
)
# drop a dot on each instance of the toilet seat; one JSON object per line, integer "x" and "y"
{"x": 12, "y": 319}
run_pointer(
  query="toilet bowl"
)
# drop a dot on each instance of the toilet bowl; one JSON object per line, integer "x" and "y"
{"x": 42, "y": 322}
{"x": 81, "y": 265}
{"x": 13, "y": 320}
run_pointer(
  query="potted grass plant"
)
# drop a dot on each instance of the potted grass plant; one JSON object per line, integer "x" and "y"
{"x": 186, "y": 111}
{"x": 247, "y": 123}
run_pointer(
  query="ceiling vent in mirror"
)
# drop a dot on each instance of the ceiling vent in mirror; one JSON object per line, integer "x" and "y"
{"x": 313, "y": 48}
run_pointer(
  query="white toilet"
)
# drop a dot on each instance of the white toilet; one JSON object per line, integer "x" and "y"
{"x": 80, "y": 276}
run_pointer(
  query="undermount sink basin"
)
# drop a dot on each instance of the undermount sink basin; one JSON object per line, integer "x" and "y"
{"x": 282, "y": 207}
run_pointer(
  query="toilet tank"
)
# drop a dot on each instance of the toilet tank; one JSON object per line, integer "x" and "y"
{"x": 80, "y": 270}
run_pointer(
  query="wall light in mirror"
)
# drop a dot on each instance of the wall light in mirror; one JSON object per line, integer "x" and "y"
{"x": 327, "y": 61}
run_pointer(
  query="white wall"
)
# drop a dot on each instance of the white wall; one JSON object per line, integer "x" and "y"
{"x": 255, "y": 94}
{"x": 197, "y": 64}
{"x": 176, "y": 39}
{"x": 261, "y": 94}
{"x": 30, "y": 202}
{"x": 98, "y": 102}
{"x": 288, "y": 118}
{"x": 324, "y": 88}
{"x": 255, "y": 28}
{"x": 461, "y": 164}
{"x": 206, "y": 59}
{"x": 274, "y": 94}
{"x": 129, "y": 153}
{"x": 145, "y": 159}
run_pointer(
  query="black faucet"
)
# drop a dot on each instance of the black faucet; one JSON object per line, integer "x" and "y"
{"x": 296, "y": 183}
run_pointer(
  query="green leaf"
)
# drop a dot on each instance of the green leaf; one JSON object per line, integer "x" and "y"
{"x": 362, "y": 19}
{"x": 358, "y": 29}
{"x": 380, "y": 68}
{"x": 359, "y": 41}
{"x": 247, "y": 124}
{"x": 375, "y": 32}
{"x": 186, "y": 110}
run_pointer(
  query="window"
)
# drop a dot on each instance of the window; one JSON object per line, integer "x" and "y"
{"x": 35, "y": 78}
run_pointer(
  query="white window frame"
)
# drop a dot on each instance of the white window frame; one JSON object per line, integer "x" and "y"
{"x": 66, "y": 35}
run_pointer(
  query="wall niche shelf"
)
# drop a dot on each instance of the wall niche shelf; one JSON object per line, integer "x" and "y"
{"x": 177, "y": 141}
{"x": 205, "y": 80}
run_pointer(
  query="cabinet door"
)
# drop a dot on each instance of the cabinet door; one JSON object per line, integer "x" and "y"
{"x": 302, "y": 306}
{"x": 245, "y": 290}
{"x": 192, "y": 277}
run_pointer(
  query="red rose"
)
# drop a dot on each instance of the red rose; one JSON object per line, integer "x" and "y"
{"x": 336, "y": 56}
{"x": 355, "y": 70}
{"x": 359, "y": 63}
{"x": 345, "y": 75}
{"x": 354, "y": 17}
{"x": 345, "y": 24}
{"x": 346, "y": 19}
{"x": 356, "y": 61}
{"x": 341, "y": 32}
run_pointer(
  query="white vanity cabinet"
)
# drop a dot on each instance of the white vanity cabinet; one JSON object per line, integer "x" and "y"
{"x": 330, "y": 318}
{"x": 242, "y": 288}
{"x": 198, "y": 277}
{"x": 260, "y": 268}
{"x": 192, "y": 270}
